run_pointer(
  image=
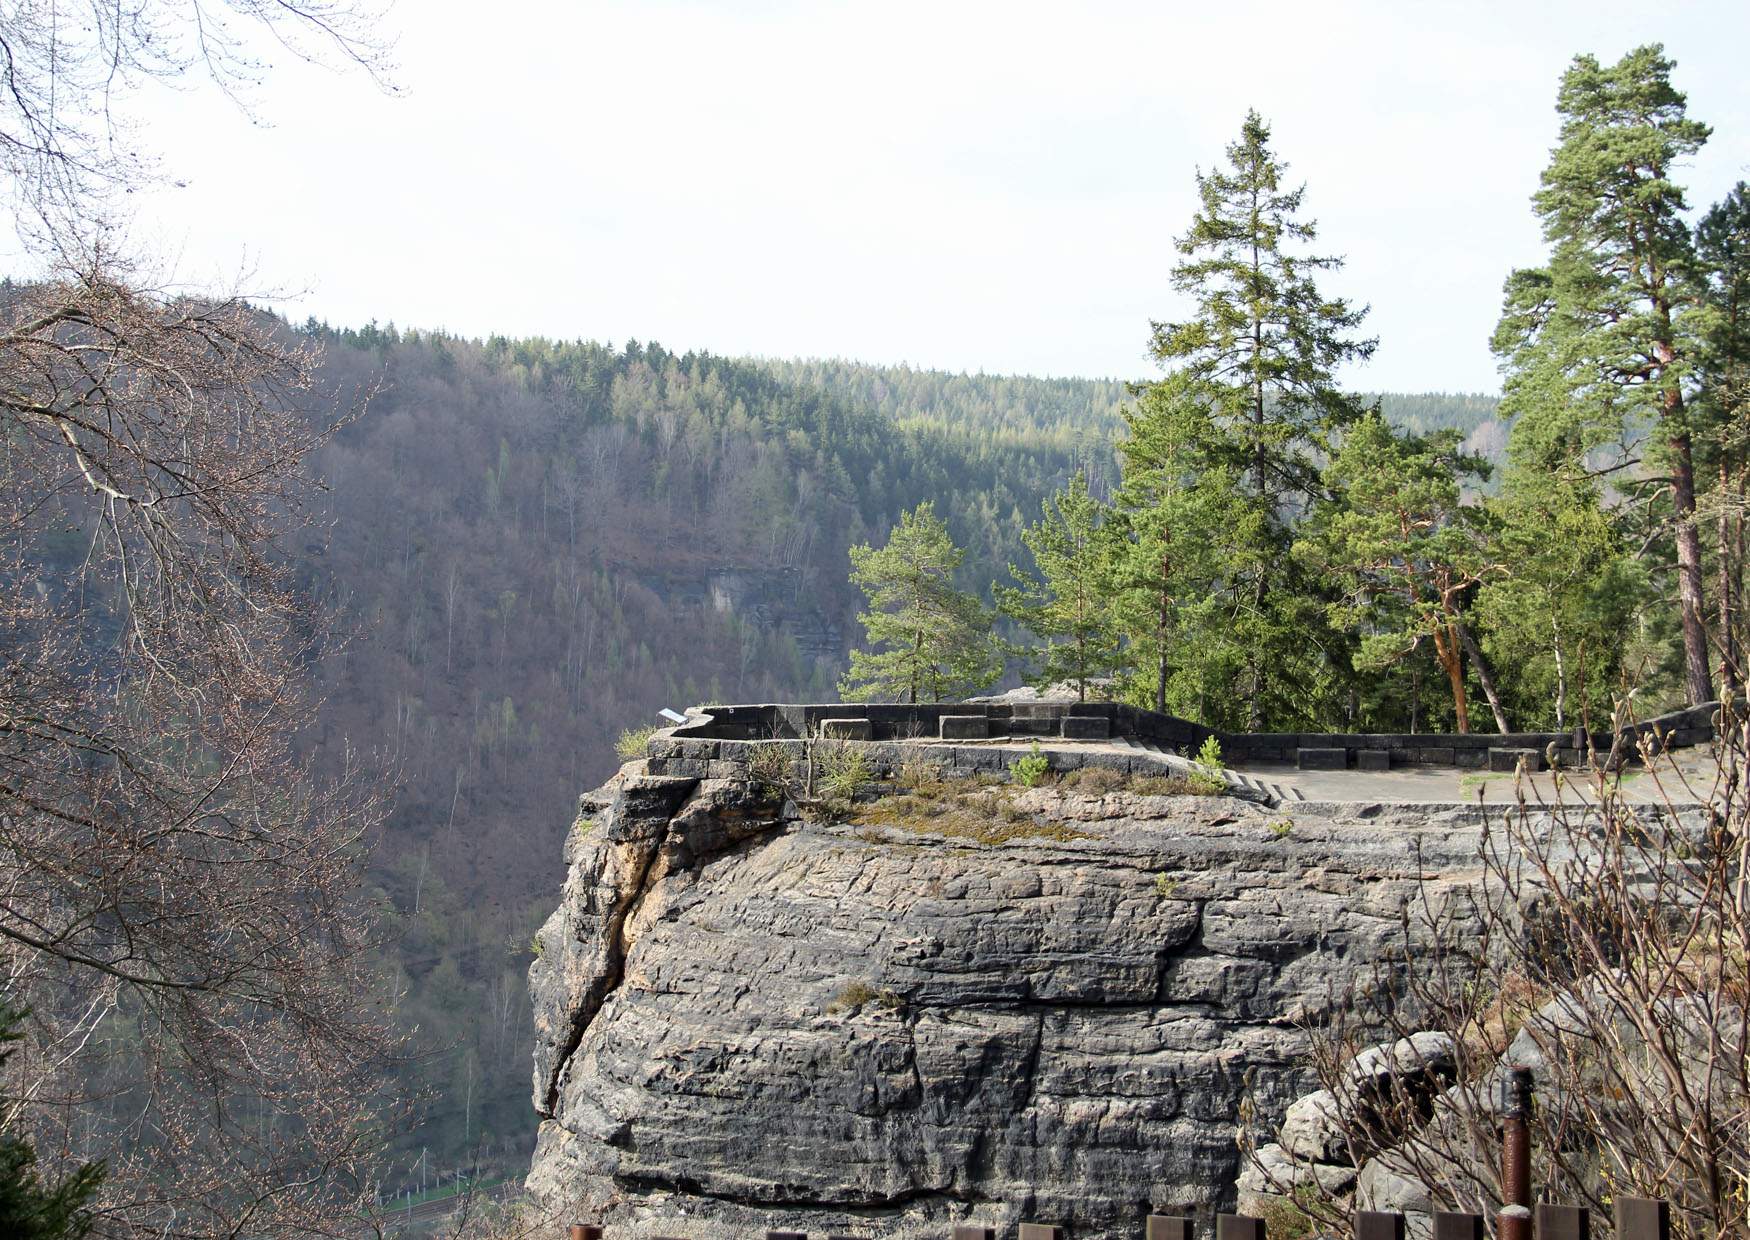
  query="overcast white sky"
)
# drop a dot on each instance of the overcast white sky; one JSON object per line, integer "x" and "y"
{"x": 959, "y": 185}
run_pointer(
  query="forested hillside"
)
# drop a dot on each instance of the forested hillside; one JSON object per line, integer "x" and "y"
{"x": 538, "y": 544}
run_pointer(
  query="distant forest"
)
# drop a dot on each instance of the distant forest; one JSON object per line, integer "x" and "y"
{"x": 537, "y": 544}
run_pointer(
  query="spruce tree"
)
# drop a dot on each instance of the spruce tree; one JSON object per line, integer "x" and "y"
{"x": 1604, "y": 336}
{"x": 928, "y": 641}
{"x": 1253, "y": 393}
{"x": 1172, "y": 547}
{"x": 1070, "y": 602}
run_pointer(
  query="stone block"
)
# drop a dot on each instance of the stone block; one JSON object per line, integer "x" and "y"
{"x": 1436, "y": 755}
{"x": 1509, "y": 759}
{"x": 1321, "y": 758}
{"x": 963, "y": 728}
{"x": 1373, "y": 759}
{"x": 1691, "y": 736}
{"x": 1470, "y": 759}
{"x": 1086, "y": 728}
{"x": 847, "y": 729}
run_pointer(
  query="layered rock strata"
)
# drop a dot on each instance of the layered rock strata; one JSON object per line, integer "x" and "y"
{"x": 748, "y": 1019}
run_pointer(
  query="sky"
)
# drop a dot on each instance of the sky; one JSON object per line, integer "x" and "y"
{"x": 965, "y": 186}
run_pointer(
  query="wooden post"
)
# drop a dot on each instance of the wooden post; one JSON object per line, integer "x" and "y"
{"x": 1450, "y": 1226}
{"x": 1378, "y": 1225}
{"x": 1238, "y": 1227}
{"x": 1041, "y": 1231}
{"x": 1563, "y": 1222}
{"x": 1642, "y": 1218}
{"x": 1167, "y": 1227}
{"x": 972, "y": 1231}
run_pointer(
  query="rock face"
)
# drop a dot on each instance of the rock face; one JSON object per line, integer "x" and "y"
{"x": 748, "y": 1019}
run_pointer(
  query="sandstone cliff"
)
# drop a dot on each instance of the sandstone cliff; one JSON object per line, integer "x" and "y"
{"x": 747, "y": 1018}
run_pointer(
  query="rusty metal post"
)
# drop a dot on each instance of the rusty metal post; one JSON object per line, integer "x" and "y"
{"x": 584, "y": 1231}
{"x": 1642, "y": 1218}
{"x": 1451, "y": 1226}
{"x": 1514, "y": 1221}
{"x": 1238, "y": 1227}
{"x": 1167, "y": 1227}
{"x": 1378, "y": 1225}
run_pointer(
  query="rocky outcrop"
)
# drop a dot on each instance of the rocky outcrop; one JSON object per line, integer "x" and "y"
{"x": 748, "y": 1018}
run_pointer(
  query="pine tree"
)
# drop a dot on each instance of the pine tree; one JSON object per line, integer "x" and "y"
{"x": 1256, "y": 365}
{"x": 1722, "y": 242}
{"x": 1070, "y": 602}
{"x": 1559, "y": 616}
{"x": 1408, "y": 548}
{"x": 1604, "y": 335}
{"x": 928, "y": 640}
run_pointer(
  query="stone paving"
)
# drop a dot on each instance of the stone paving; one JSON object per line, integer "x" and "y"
{"x": 1686, "y": 778}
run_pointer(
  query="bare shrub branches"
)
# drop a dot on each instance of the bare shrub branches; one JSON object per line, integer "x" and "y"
{"x": 1607, "y": 951}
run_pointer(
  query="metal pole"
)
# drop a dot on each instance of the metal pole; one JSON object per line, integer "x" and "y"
{"x": 1514, "y": 1221}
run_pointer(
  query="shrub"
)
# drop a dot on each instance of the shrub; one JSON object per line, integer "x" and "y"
{"x": 1209, "y": 756}
{"x": 768, "y": 765}
{"x": 632, "y": 741}
{"x": 843, "y": 770}
{"x": 1095, "y": 780}
{"x": 1032, "y": 767}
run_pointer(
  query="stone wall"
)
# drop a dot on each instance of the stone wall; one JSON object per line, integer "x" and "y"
{"x": 895, "y": 721}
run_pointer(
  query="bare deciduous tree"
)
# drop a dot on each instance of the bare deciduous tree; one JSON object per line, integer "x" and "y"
{"x": 179, "y": 895}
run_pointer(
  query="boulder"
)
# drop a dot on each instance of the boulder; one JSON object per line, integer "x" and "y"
{"x": 1311, "y": 1129}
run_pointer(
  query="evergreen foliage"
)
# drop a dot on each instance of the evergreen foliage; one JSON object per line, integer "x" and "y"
{"x": 928, "y": 641}
{"x": 1599, "y": 346}
{"x": 1069, "y": 603}
{"x": 29, "y": 1208}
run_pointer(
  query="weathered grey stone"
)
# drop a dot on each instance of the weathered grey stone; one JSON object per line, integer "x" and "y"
{"x": 1086, "y": 727}
{"x": 1311, "y": 1129}
{"x": 1321, "y": 758}
{"x": 777, "y": 1024}
{"x": 963, "y": 727}
{"x": 847, "y": 729}
{"x": 1426, "y": 1053}
{"x": 1273, "y": 1172}
{"x": 1373, "y": 759}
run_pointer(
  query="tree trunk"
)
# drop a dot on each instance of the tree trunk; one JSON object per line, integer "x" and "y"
{"x": 1698, "y": 678}
{"x": 1731, "y": 668}
{"x": 1161, "y": 648}
{"x": 1446, "y": 652}
{"x": 1485, "y": 673}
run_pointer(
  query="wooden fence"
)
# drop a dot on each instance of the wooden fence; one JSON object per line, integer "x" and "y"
{"x": 1637, "y": 1218}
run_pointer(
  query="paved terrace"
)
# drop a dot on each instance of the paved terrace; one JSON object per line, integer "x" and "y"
{"x": 1329, "y": 768}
